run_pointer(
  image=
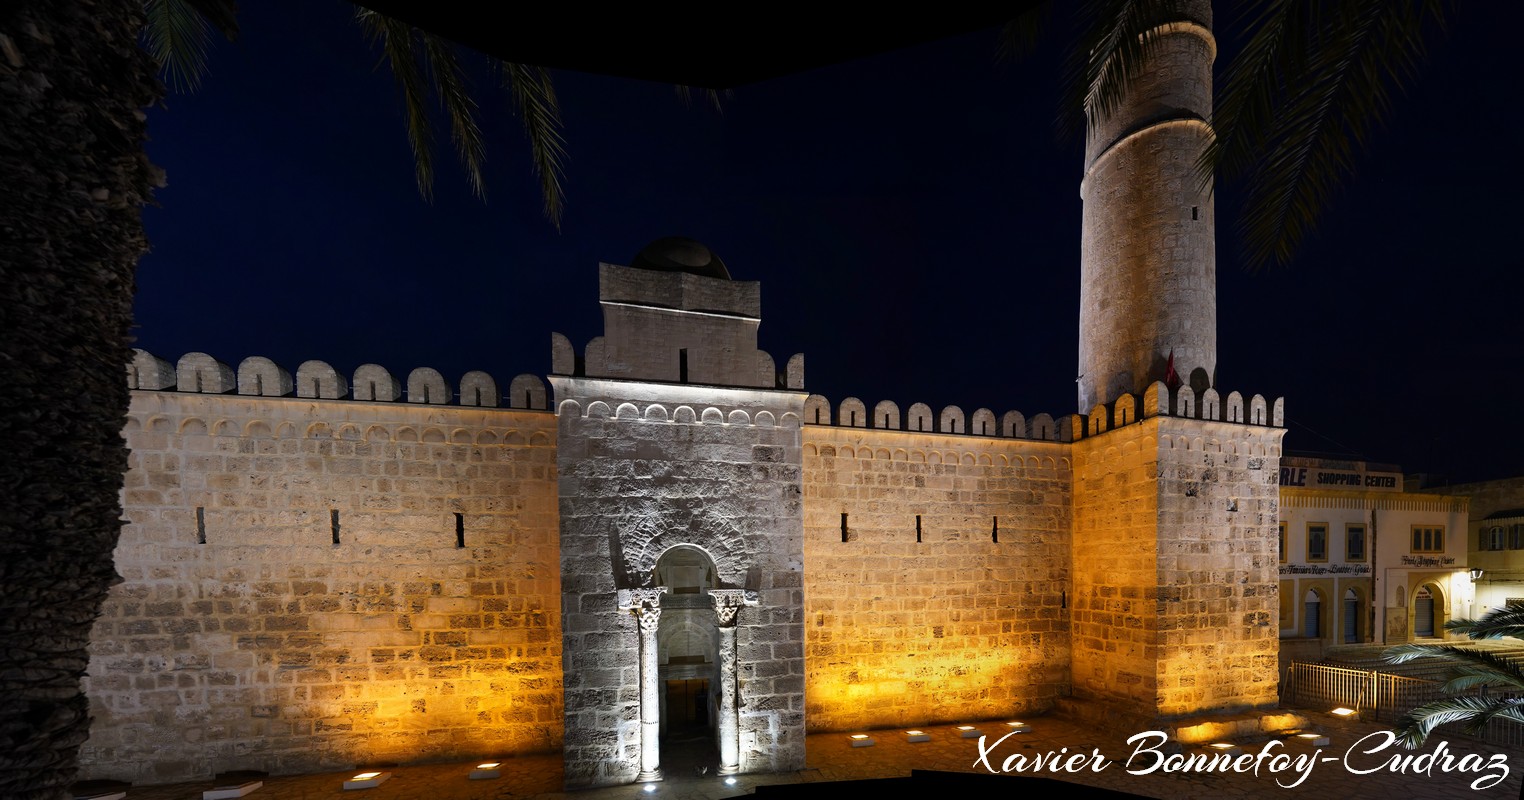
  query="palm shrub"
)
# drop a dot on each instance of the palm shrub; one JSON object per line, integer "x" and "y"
{"x": 1470, "y": 669}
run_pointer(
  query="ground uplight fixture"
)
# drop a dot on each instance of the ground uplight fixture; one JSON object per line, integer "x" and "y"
{"x": 486, "y": 771}
{"x": 1314, "y": 739}
{"x": 917, "y": 736}
{"x": 730, "y": 781}
{"x": 1018, "y": 727}
{"x": 861, "y": 740}
{"x": 966, "y": 731}
{"x": 231, "y": 791}
{"x": 1226, "y": 747}
{"x": 367, "y": 780}
{"x": 1341, "y": 711}
{"x": 649, "y": 788}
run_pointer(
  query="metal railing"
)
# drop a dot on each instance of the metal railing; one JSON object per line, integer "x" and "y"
{"x": 1385, "y": 697}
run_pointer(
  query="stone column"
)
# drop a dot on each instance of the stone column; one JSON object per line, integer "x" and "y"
{"x": 646, "y": 605}
{"x": 727, "y": 602}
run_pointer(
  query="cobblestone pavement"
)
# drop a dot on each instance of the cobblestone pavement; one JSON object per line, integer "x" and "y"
{"x": 831, "y": 757}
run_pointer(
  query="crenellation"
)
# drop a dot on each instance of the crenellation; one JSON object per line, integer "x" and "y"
{"x": 1096, "y": 422}
{"x": 199, "y": 372}
{"x": 852, "y": 413}
{"x": 1211, "y": 405}
{"x": 1013, "y": 425}
{"x": 426, "y": 385}
{"x": 147, "y": 371}
{"x": 817, "y": 410}
{"x": 261, "y": 376}
{"x": 1185, "y": 402}
{"x": 373, "y": 382}
{"x": 316, "y": 379}
{"x": 983, "y": 423}
{"x": 527, "y": 391}
{"x": 794, "y": 373}
{"x": 1257, "y": 414}
{"x": 951, "y": 420}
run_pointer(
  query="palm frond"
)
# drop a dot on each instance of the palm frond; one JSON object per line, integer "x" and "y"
{"x": 455, "y": 94}
{"x": 1481, "y": 659}
{"x": 1311, "y": 86}
{"x": 1464, "y": 677}
{"x": 1021, "y": 34}
{"x": 534, "y": 98}
{"x": 177, "y": 36}
{"x": 1511, "y": 708}
{"x": 716, "y": 97}
{"x": 1470, "y": 666}
{"x": 1122, "y": 51}
{"x": 1416, "y": 725}
{"x": 399, "y": 48}
{"x": 220, "y": 14}
{"x": 1495, "y": 624}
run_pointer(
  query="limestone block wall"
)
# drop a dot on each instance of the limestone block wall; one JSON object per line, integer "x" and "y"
{"x": 1175, "y": 566}
{"x": 675, "y": 327}
{"x": 644, "y": 468}
{"x": 967, "y": 623}
{"x": 312, "y": 584}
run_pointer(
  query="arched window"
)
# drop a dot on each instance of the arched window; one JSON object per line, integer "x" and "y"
{"x": 1312, "y": 611}
{"x": 685, "y": 569}
{"x": 1423, "y": 614}
{"x": 1351, "y": 617}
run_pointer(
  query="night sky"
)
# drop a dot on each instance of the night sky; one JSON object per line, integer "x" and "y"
{"x": 913, "y": 219}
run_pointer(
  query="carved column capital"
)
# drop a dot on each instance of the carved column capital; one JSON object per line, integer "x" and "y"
{"x": 638, "y": 599}
{"x": 646, "y": 603}
{"x": 728, "y": 601}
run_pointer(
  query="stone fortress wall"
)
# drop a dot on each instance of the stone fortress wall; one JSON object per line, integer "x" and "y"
{"x": 312, "y": 582}
{"x": 315, "y": 582}
{"x": 1036, "y": 566}
{"x": 938, "y": 565}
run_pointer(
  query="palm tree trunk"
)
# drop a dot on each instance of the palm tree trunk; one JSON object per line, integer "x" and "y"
{"x": 73, "y": 176}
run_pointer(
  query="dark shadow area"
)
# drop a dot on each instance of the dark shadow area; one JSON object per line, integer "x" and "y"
{"x": 689, "y": 751}
{"x": 930, "y": 783}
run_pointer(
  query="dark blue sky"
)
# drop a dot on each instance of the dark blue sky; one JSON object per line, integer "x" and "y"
{"x": 912, "y": 217}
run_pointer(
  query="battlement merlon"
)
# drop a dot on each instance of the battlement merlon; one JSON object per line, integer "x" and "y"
{"x": 317, "y": 380}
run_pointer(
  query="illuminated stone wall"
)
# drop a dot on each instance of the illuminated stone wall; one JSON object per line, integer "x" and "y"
{"x": 1175, "y": 566}
{"x": 648, "y": 467}
{"x": 243, "y": 636}
{"x": 956, "y": 626}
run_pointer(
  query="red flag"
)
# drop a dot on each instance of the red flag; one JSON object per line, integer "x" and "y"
{"x": 1171, "y": 378}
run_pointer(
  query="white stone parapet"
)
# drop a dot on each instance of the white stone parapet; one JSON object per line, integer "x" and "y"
{"x": 1157, "y": 401}
{"x": 259, "y": 376}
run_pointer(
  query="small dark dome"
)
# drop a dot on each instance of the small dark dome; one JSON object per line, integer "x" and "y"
{"x": 679, "y": 254}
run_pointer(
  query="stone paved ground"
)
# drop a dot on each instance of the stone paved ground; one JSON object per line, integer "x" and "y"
{"x": 830, "y": 757}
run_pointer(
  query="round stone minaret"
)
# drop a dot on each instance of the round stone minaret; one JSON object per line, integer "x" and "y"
{"x": 1148, "y": 274}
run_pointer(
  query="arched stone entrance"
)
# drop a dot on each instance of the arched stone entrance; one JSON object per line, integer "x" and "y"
{"x": 1429, "y": 611}
{"x": 687, "y": 642}
{"x": 687, "y": 619}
